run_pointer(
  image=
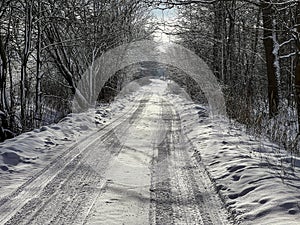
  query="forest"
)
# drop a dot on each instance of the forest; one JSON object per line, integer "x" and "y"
{"x": 46, "y": 45}
{"x": 253, "y": 49}
{"x": 252, "y": 46}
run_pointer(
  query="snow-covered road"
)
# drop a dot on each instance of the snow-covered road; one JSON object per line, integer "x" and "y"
{"x": 139, "y": 169}
{"x": 152, "y": 157}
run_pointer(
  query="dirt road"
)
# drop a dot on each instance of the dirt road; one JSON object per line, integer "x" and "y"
{"x": 139, "y": 169}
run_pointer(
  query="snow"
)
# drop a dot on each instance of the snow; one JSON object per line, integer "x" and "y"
{"x": 257, "y": 181}
{"x": 275, "y": 52}
{"x": 27, "y": 154}
{"x": 127, "y": 191}
{"x": 254, "y": 178}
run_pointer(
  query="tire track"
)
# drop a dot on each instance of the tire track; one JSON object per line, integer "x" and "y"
{"x": 192, "y": 195}
{"x": 184, "y": 196}
{"x": 62, "y": 179}
{"x": 66, "y": 190}
{"x": 161, "y": 199}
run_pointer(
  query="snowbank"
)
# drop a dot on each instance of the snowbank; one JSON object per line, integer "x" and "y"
{"x": 28, "y": 153}
{"x": 258, "y": 182}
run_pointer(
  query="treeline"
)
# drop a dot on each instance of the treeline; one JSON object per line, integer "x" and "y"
{"x": 253, "y": 48}
{"x": 45, "y": 47}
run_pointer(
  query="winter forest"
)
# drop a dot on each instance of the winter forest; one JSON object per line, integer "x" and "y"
{"x": 252, "y": 46}
{"x": 150, "y": 112}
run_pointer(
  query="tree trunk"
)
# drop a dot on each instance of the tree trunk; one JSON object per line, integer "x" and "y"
{"x": 3, "y": 73}
{"x": 230, "y": 52}
{"x": 269, "y": 43}
{"x": 38, "y": 70}
{"x": 297, "y": 70}
{"x": 218, "y": 37}
{"x": 27, "y": 41}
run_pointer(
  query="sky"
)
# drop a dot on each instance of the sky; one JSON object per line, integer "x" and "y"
{"x": 164, "y": 18}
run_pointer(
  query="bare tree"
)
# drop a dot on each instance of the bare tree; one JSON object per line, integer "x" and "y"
{"x": 26, "y": 51}
{"x": 45, "y": 47}
{"x": 270, "y": 42}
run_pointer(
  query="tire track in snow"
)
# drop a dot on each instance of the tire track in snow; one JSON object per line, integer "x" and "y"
{"x": 184, "y": 196}
{"x": 71, "y": 192}
{"x": 198, "y": 195}
{"x": 192, "y": 195}
{"x": 24, "y": 203}
{"x": 125, "y": 198}
{"x": 180, "y": 193}
{"x": 161, "y": 210}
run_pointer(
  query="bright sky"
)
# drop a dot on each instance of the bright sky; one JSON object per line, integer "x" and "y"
{"x": 165, "y": 18}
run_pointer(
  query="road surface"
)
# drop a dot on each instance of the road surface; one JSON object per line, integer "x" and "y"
{"x": 139, "y": 169}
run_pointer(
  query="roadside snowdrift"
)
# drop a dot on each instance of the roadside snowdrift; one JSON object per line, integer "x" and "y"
{"x": 258, "y": 182}
{"x": 25, "y": 155}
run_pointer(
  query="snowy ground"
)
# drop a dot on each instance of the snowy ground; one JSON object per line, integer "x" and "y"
{"x": 27, "y": 154}
{"x": 258, "y": 182}
{"x": 253, "y": 178}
